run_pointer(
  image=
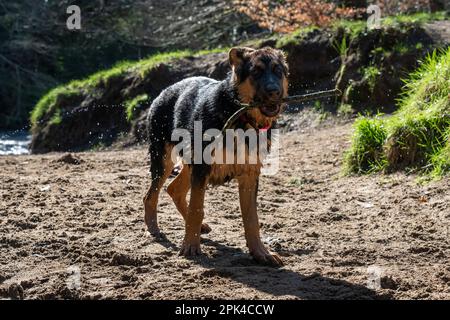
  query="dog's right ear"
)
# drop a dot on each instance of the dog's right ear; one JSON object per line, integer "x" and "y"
{"x": 238, "y": 55}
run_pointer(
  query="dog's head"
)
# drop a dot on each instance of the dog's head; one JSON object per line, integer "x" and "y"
{"x": 260, "y": 77}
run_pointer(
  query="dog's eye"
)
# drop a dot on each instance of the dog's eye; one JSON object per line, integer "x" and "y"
{"x": 256, "y": 72}
{"x": 277, "y": 70}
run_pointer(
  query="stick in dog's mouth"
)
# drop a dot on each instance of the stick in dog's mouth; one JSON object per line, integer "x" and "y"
{"x": 297, "y": 98}
{"x": 270, "y": 110}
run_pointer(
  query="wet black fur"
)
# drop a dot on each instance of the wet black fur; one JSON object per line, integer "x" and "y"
{"x": 178, "y": 106}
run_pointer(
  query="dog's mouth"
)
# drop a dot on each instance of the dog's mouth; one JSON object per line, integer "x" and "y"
{"x": 268, "y": 107}
{"x": 270, "y": 110}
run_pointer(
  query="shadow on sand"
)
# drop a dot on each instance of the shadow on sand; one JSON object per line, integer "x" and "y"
{"x": 234, "y": 264}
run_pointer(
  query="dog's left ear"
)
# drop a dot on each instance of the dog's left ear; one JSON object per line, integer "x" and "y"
{"x": 238, "y": 55}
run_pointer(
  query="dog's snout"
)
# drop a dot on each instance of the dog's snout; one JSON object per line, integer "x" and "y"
{"x": 273, "y": 89}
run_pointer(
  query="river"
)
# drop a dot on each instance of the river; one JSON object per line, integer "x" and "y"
{"x": 14, "y": 142}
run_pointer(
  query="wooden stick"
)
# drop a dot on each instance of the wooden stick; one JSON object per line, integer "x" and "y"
{"x": 297, "y": 98}
{"x": 312, "y": 96}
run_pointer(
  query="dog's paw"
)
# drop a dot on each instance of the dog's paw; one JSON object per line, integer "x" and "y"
{"x": 264, "y": 256}
{"x": 190, "y": 249}
{"x": 159, "y": 237}
{"x": 154, "y": 230}
{"x": 205, "y": 228}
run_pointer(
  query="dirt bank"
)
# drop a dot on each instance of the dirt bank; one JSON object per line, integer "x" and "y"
{"x": 334, "y": 233}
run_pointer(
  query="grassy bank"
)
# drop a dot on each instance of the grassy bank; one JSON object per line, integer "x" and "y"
{"x": 101, "y": 79}
{"x": 417, "y": 136}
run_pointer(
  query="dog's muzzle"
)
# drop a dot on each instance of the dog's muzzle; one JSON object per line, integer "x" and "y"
{"x": 270, "y": 110}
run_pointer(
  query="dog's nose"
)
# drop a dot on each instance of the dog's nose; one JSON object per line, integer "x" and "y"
{"x": 273, "y": 90}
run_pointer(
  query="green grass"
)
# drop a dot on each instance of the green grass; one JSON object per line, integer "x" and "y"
{"x": 441, "y": 160}
{"x": 294, "y": 37}
{"x": 416, "y": 137}
{"x": 345, "y": 110}
{"x": 401, "y": 48}
{"x": 132, "y": 105}
{"x": 49, "y": 100}
{"x": 318, "y": 106}
{"x": 341, "y": 47}
{"x": 404, "y": 48}
{"x": 56, "y": 118}
{"x": 366, "y": 153}
{"x": 415, "y": 18}
{"x": 48, "y": 104}
{"x": 371, "y": 74}
{"x": 123, "y": 68}
{"x": 354, "y": 27}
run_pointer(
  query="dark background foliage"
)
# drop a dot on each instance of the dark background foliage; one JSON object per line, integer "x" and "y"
{"x": 38, "y": 52}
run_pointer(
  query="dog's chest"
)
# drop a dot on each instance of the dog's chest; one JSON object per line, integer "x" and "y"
{"x": 234, "y": 163}
{"x": 221, "y": 173}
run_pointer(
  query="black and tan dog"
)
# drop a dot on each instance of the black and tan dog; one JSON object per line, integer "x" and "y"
{"x": 257, "y": 76}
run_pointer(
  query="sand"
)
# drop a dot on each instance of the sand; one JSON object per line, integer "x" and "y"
{"x": 75, "y": 230}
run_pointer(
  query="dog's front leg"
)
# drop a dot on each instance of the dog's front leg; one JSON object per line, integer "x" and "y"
{"x": 194, "y": 218}
{"x": 248, "y": 189}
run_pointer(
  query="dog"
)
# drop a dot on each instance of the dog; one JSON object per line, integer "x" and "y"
{"x": 257, "y": 77}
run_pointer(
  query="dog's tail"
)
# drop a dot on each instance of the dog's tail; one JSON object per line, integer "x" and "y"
{"x": 159, "y": 127}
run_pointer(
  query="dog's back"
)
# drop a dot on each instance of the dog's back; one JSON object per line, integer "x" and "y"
{"x": 175, "y": 106}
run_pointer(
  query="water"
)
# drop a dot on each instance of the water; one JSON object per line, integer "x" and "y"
{"x": 14, "y": 142}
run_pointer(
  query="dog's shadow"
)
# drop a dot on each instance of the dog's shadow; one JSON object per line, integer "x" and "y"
{"x": 233, "y": 263}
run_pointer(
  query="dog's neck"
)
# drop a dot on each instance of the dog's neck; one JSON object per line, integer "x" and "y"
{"x": 230, "y": 91}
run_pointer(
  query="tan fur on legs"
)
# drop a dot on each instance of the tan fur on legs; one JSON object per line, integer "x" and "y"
{"x": 194, "y": 218}
{"x": 178, "y": 190}
{"x": 151, "y": 197}
{"x": 248, "y": 186}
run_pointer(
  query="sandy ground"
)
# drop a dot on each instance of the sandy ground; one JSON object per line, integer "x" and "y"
{"x": 77, "y": 231}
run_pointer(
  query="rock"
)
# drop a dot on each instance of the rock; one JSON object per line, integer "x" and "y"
{"x": 123, "y": 259}
{"x": 15, "y": 291}
{"x": 69, "y": 159}
{"x": 388, "y": 282}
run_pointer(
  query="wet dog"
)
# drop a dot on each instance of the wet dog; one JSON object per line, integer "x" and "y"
{"x": 258, "y": 77}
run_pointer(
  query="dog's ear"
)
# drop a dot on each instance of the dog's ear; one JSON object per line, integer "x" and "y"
{"x": 238, "y": 55}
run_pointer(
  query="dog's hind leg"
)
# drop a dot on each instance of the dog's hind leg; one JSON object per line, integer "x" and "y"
{"x": 195, "y": 214}
{"x": 161, "y": 166}
{"x": 178, "y": 190}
